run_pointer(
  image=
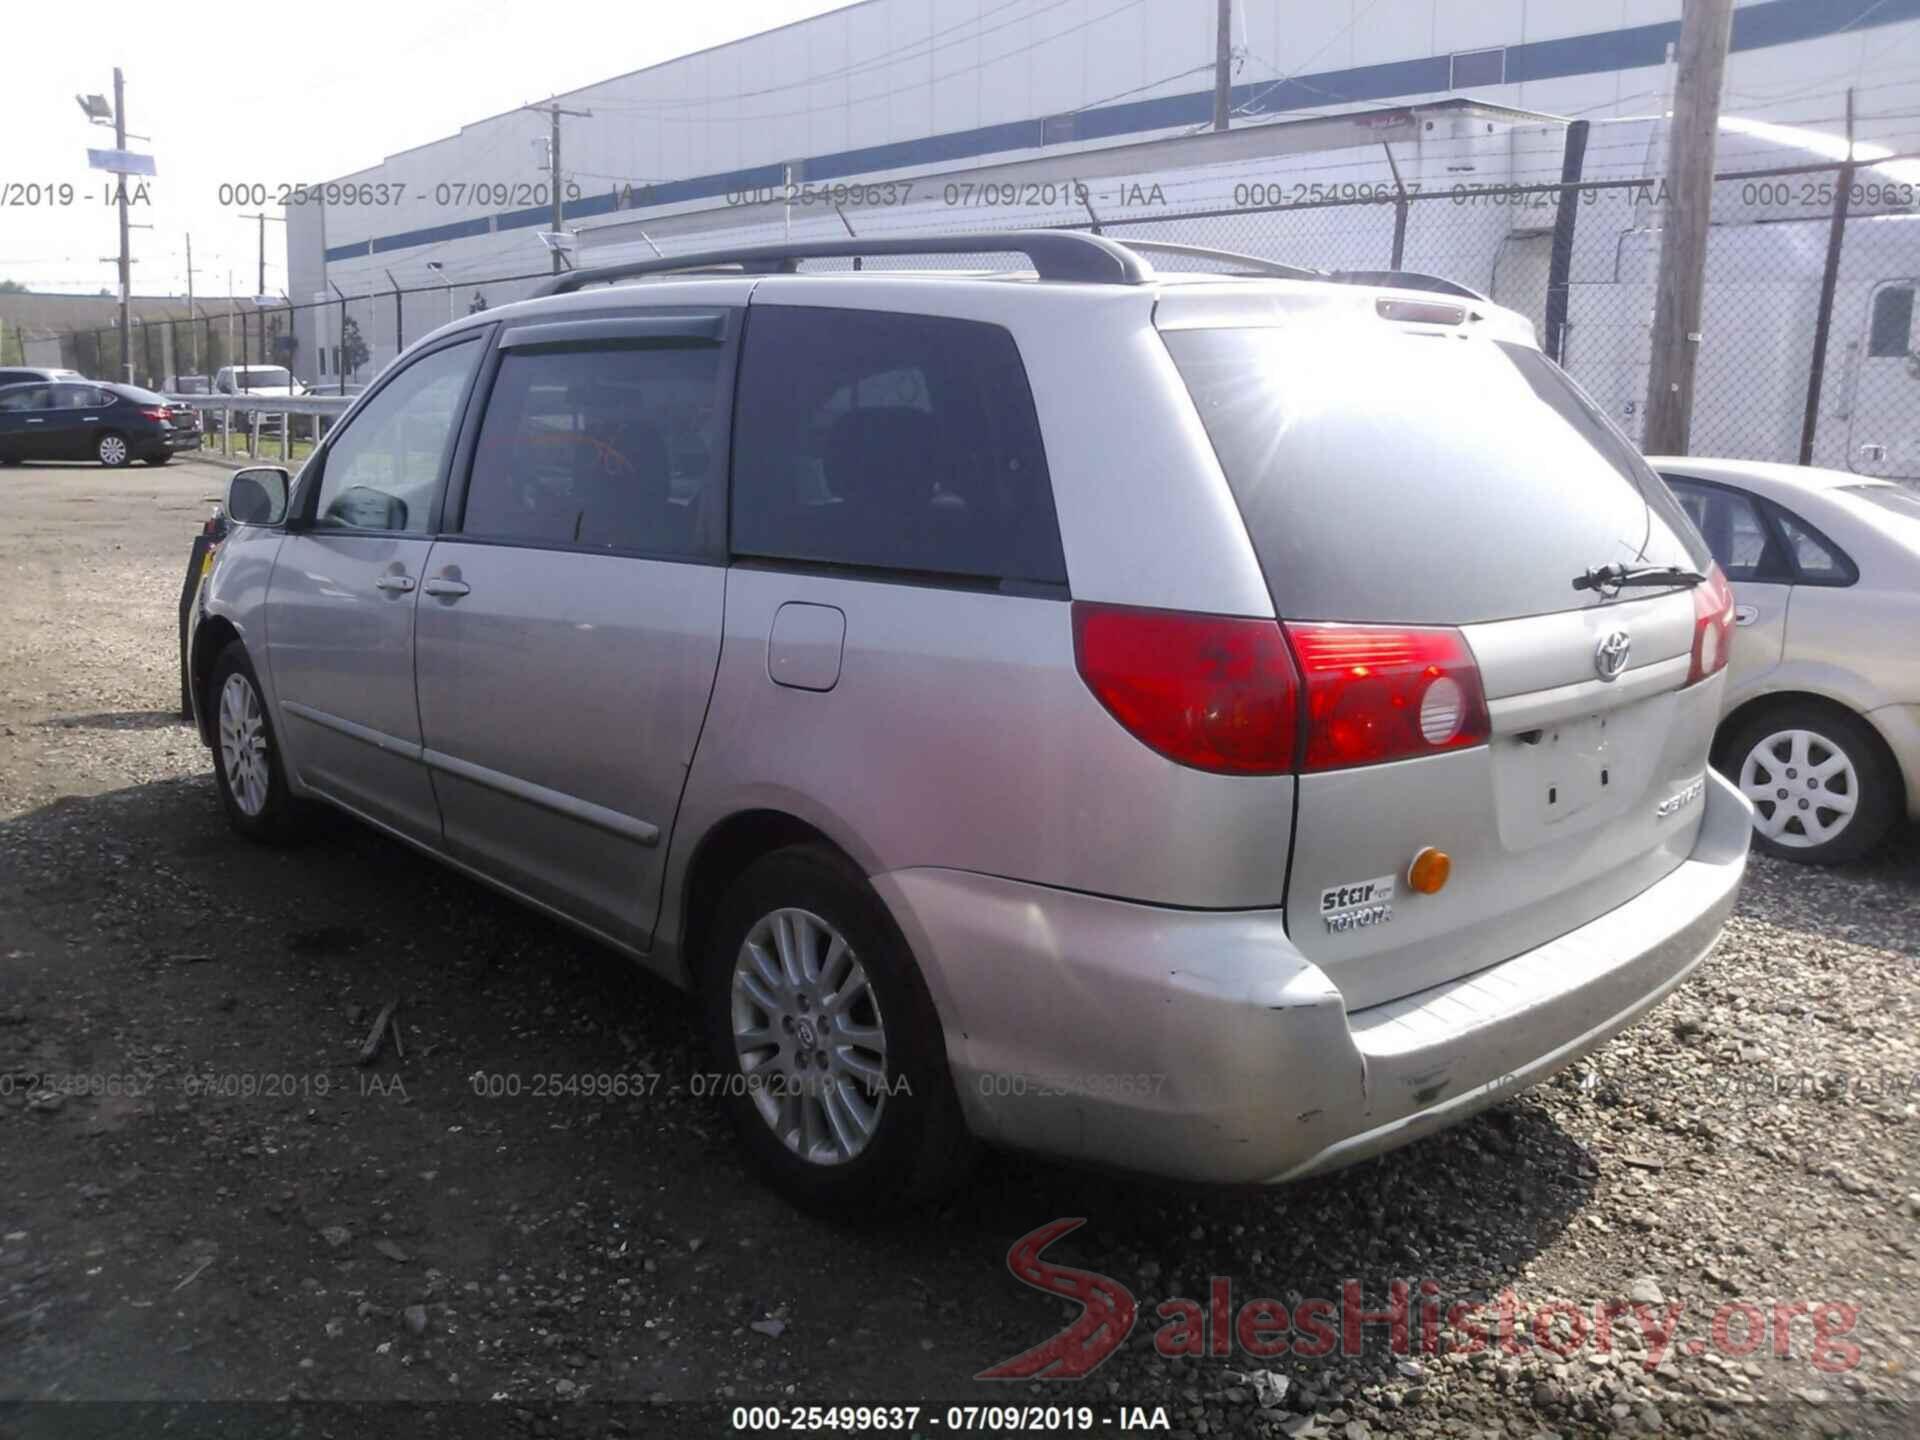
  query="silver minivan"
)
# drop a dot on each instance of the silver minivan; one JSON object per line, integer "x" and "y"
{"x": 1193, "y": 721}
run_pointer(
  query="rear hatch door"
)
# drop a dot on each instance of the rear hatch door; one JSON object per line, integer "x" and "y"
{"x": 1406, "y": 477}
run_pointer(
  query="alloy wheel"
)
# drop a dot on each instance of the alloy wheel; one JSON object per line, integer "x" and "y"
{"x": 809, "y": 1036}
{"x": 243, "y": 745}
{"x": 1803, "y": 786}
{"x": 113, "y": 450}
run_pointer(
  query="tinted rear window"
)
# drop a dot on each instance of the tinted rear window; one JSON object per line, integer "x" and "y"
{"x": 1391, "y": 476}
{"x": 886, "y": 441}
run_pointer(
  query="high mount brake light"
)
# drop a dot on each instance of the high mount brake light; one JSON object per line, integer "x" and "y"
{"x": 1712, "y": 626}
{"x": 1230, "y": 694}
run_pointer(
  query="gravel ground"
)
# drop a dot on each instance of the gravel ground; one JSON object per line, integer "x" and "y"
{"x": 202, "y": 1198}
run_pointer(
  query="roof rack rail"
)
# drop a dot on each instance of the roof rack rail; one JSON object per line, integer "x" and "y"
{"x": 1406, "y": 280}
{"x": 1233, "y": 257}
{"x": 1054, "y": 254}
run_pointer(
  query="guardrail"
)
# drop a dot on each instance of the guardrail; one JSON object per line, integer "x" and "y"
{"x": 282, "y": 406}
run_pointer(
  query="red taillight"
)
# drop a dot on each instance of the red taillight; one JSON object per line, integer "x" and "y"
{"x": 1225, "y": 694}
{"x": 1212, "y": 691}
{"x": 1386, "y": 692}
{"x": 1712, "y": 626}
{"x": 157, "y": 413}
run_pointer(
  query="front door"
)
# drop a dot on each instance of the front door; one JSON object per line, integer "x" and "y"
{"x": 568, "y": 629}
{"x": 22, "y": 417}
{"x": 340, "y": 606}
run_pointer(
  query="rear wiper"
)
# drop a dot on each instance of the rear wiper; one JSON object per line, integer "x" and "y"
{"x": 1609, "y": 579}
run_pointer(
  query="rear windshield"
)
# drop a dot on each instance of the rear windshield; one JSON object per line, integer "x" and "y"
{"x": 1394, "y": 476}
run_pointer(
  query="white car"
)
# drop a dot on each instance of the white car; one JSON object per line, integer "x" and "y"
{"x": 1821, "y": 728}
{"x": 257, "y": 382}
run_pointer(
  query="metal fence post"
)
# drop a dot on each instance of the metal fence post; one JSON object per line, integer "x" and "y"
{"x": 1400, "y": 208}
{"x": 1829, "y": 280}
{"x": 340, "y": 357}
{"x": 1560, "y": 262}
{"x": 400, "y": 314}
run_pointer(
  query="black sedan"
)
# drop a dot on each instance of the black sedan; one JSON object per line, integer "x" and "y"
{"x": 89, "y": 420}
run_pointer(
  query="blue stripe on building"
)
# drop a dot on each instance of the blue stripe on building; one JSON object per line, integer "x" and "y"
{"x": 1774, "y": 22}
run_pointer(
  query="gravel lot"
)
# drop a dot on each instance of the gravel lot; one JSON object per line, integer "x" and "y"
{"x": 575, "y": 1263}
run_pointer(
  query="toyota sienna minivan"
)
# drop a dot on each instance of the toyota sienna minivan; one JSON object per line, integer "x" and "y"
{"x": 1206, "y": 722}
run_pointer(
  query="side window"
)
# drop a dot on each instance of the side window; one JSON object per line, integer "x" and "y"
{"x": 605, "y": 446}
{"x": 74, "y": 397}
{"x": 1734, "y": 531}
{"x": 1813, "y": 557}
{"x": 380, "y": 472}
{"x": 27, "y": 397}
{"x": 1890, "y": 334}
{"x": 904, "y": 442}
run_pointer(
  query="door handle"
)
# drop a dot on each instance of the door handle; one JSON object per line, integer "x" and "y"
{"x": 448, "y": 589}
{"x": 36, "y": 422}
{"x": 1745, "y": 614}
{"x": 399, "y": 584}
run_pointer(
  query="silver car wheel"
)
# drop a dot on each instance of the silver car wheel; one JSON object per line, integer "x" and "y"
{"x": 113, "y": 450}
{"x": 1803, "y": 787}
{"x": 809, "y": 1035}
{"x": 243, "y": 745}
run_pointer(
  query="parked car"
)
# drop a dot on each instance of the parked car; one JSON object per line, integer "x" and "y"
{"x": 1822, "y": 722}
{"x": 21, "y": 374}
{"x": 189, "y": 385}
{"x": 1208, "y": 724}
{"x": 89, "y": 420}
{"x": 257, "y": 382}
{"x": 206, "y": 543}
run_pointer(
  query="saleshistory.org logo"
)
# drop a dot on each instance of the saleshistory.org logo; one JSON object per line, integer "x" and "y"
{"x": 1413, "y": 1317}
{"x": 1106, "y": 1316}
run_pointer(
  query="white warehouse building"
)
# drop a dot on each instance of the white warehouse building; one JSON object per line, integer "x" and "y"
{"x": 948, "y": 114}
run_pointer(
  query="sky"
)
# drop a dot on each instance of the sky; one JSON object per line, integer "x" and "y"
{"x": 245, "y": 93}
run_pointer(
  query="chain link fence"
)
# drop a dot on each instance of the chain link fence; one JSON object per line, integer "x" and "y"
{"x": 1806, "y": 351}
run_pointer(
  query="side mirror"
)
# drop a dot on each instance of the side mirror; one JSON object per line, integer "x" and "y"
{"x": 258, "y": 496}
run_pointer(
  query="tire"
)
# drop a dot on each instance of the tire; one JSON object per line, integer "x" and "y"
{"x": 1788, "y": 758}
{"x": 917, "y": 1146}
{"x": 251, "y": 780}
{"x": 112, "y": 451}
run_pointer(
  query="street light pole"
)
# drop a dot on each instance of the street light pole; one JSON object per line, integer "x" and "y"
{"x": 126, "y": 279}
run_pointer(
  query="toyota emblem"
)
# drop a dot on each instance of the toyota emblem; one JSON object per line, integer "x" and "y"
{"x": 1610, "y": 655}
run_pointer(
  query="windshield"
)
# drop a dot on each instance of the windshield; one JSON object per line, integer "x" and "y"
{"x": 262, "y": 377}
{"x": 1393, "y": 476}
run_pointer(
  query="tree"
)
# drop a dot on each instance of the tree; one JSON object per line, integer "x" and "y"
{"x": 353, "y": 349}
{"x": 12, "y": 287}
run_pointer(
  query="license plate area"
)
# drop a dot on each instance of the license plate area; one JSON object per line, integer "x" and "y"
{"x": 1573, "y": 766}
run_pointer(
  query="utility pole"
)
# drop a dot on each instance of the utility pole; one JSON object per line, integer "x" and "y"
{"x": 126, "y": 263}
{"x": 196, "y": 343}
{"x": 1705, "y": 27}
{"x": 1222, "y": 64}
{"x": 553, "y": 111}
{"x": 263, "y": 218}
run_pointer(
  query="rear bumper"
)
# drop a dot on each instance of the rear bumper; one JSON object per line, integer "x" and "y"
{"x": 1201, "y": 1045}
